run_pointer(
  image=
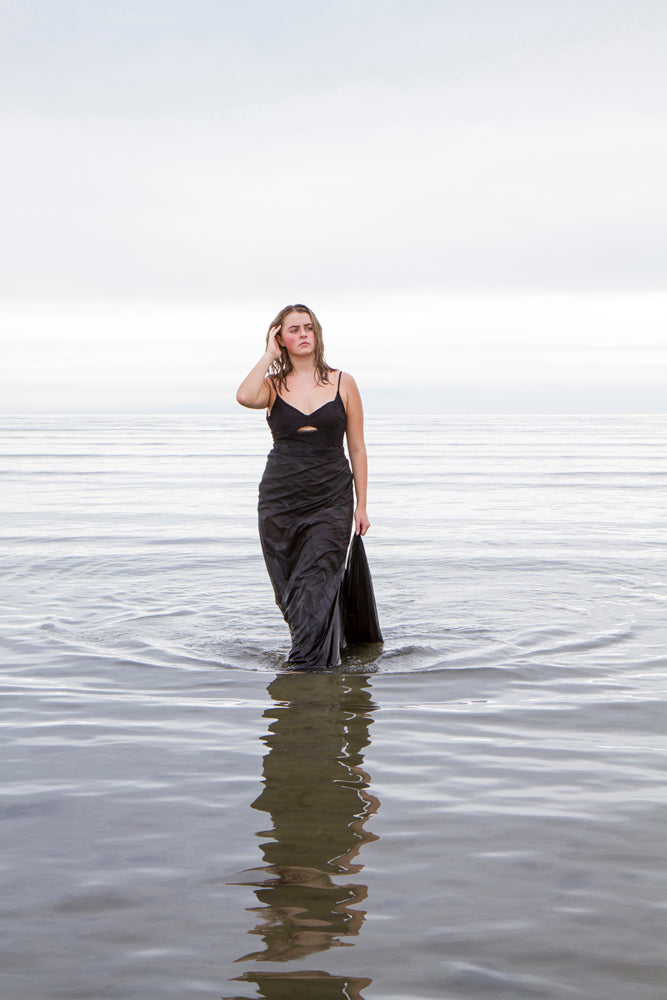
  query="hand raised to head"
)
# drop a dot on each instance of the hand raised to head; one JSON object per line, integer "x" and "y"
{"x": 273, "y": 347}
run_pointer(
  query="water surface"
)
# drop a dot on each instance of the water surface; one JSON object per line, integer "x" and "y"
{"x": 475, "y": 809}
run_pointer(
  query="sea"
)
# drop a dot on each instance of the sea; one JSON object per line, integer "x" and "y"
{"x": 474, "y": 809}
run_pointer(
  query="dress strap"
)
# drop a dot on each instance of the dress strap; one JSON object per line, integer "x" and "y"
{"x": 340, "y": 373}
{"x": 277, "y": 395}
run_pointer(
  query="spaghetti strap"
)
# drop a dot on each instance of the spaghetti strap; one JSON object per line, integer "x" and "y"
{"x": 340, "y": 373}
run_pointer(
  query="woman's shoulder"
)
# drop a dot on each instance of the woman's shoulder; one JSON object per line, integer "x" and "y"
{"x": 337, "y": 375}
{"x": 346, "y": 380}
{"x": 349, "y": 392}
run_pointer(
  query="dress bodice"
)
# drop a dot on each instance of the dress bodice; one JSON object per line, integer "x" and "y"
{"x": 288, "y": 424}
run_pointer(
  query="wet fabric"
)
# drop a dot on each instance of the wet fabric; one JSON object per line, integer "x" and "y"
{"x": 360, "y": 613}
{"x": 305, "y": 519}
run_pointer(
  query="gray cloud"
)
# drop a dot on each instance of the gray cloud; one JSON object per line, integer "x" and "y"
{"x": 207, "y": 154}
{"x": 470, "y": 143}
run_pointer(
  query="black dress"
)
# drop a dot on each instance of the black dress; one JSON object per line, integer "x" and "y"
{"x": 305, "y": 520}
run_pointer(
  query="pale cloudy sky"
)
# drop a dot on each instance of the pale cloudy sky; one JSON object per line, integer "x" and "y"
{"x": 471, "y": 196}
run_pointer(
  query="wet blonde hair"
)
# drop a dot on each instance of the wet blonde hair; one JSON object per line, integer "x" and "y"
{"x": 282, "y": 366}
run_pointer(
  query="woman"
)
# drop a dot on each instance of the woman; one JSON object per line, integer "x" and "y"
{"x": 305, "y": 496}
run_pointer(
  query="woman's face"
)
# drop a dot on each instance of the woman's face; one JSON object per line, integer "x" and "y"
{"x": 297, "y": 334}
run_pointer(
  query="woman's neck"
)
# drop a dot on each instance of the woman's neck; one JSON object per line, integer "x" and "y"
{"x": 303, "y": 367}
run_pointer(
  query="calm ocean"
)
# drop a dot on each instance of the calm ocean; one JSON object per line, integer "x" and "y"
{"x": 477, "y": 809}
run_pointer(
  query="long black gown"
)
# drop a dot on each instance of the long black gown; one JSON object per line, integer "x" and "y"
{"x": 305, "y": 520}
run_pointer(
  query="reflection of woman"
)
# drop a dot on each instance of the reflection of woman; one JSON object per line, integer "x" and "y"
{"x": 317, "y": 795}
{"x": 313, "y": 985}
{"x": 305, "y": 497}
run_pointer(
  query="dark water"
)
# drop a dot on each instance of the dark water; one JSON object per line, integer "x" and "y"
{"x": 476, "y": 809}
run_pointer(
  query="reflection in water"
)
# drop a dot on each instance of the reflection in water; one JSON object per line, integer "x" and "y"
{"x": 305, "y": 986}
{"x": 318, "y": 798}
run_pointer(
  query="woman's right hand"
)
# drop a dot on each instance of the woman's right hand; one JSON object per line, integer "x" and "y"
{"x": 255, "y": 389}
{"x": 273, "y": 347}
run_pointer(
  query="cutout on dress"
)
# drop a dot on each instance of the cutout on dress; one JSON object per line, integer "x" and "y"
{"x": 307, "y": 428}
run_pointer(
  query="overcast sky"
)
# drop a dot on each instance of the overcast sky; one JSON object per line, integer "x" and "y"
{"x": 470, "y": 195}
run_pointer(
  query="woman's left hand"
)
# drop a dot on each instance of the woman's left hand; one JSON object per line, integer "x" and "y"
{"x": 361, "y": 522}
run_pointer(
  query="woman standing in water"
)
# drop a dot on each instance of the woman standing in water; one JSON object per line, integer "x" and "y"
{"x": 306, "y": 492}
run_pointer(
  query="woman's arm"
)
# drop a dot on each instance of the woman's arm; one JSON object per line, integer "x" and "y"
{"x": 357, "y": 450}
{"x": 255, "y": 389}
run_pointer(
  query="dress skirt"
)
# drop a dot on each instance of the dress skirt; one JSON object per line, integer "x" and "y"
{"x": 305, "y": 519}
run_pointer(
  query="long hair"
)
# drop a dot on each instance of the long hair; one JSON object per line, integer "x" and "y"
{"x": 282, "y": 366}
